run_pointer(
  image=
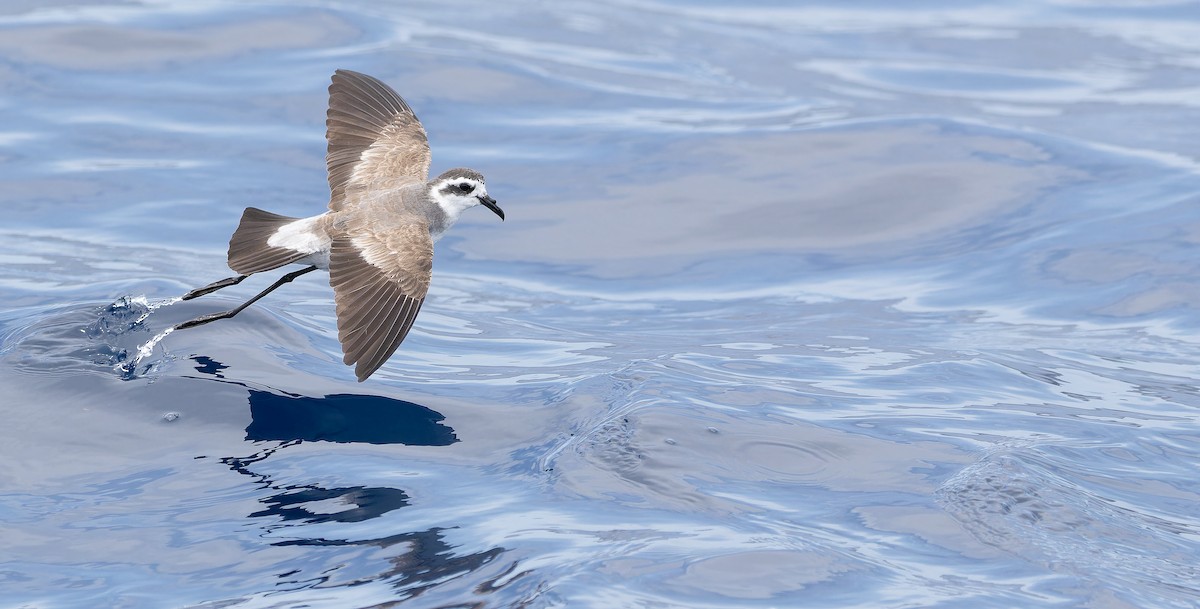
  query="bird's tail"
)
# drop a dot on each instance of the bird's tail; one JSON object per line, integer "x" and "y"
{"x": 248, "y": 249}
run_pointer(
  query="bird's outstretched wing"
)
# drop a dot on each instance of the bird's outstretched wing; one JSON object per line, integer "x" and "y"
{"x": 375, "y": 139}
{"x": 379, "y": 281}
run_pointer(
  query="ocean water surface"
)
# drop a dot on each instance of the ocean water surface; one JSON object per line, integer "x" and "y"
{"x": 812, "y": 304}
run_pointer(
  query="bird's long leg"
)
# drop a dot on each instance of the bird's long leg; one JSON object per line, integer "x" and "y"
{"x": 203, "y": 319}
{"x": 213, "y": 287}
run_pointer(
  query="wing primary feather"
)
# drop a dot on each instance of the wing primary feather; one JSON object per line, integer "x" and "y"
{"x": 363, "y": 305}
{"x": 387, "y": 346}
{"x": 366, "y": 114}
{"x": 361, "y": 314}
{"x": 374, "y": 313}
{"x": 364, "y": 343}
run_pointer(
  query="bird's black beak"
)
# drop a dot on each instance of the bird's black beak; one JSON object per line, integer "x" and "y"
{"x": 490, "y": 203}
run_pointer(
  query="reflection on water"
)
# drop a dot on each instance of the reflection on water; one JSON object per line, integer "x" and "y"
{"x": 812, "y": 305}
{"x": 345, "y": 418}
{"x": 415, "y": 561}
{"x": 367, "y": 502}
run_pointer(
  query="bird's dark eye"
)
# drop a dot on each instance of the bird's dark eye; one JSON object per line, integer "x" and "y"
{"x": 465, "y": 187}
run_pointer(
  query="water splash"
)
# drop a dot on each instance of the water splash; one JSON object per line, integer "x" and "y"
{"x": 129, "y": 369}
{"x": 124, "y": 316}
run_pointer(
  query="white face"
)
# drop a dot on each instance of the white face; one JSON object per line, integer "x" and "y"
{"x": 458, "y": 194}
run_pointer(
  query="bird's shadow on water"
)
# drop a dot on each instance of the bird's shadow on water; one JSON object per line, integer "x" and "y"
{"x": 341, "y": 417}
{"x": 345, "y": 417}
{"x": 281, "y": 420}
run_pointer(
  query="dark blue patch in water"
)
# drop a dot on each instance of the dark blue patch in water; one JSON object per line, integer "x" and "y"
{"x": 369, "y": 502}
{"x": 343, "y": 417}
{"x": 208, "y": 365}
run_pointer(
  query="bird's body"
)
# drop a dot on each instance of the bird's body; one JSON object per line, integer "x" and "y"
{"x": 376, "y": 240}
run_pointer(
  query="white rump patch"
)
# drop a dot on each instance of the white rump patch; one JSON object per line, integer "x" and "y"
{"x": 299, "y": 236}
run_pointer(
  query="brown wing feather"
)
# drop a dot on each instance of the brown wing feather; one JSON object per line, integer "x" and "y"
{"x": 379, "y": 282}
{"x": 374, "y": 137}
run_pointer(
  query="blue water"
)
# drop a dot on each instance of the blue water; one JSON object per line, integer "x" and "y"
{"x": 796, "y": 305}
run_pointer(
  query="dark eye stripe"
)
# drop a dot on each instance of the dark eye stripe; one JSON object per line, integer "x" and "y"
{"x": 457, "y": 188}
